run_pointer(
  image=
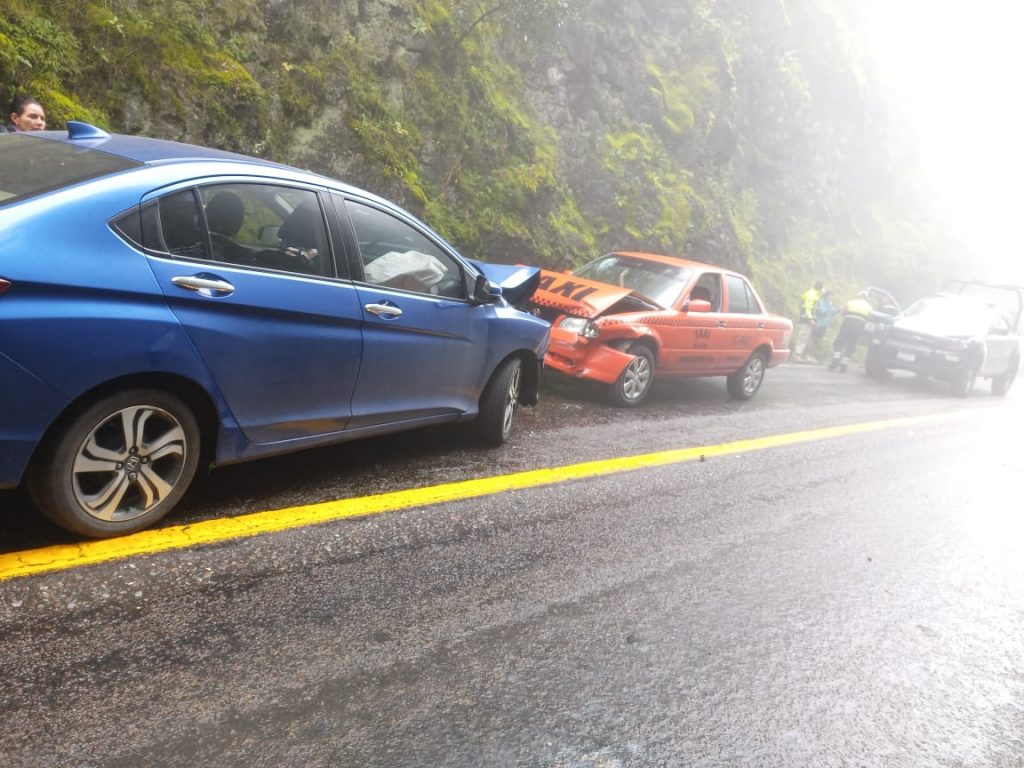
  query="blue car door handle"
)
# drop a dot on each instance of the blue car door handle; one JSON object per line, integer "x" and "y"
{"x": 207, "y": 286}
{"x": 386, "y": 311}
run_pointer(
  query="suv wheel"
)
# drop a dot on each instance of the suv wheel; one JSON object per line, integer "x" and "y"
{"x": 873, "y": 365}
{"x": 1001, "y": 384}
{"x": 963, "y": 382}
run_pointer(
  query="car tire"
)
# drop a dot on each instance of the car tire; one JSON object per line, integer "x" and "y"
{"x": 744, "y": 383}
{"x": 873, "y": 366}
{"x": 636, "y": 380}
{"x": 119, "y": 465}
{"x": 1001, "y": 384}
{"x": 963, "y": 382}
{"x": 498, "y": 403}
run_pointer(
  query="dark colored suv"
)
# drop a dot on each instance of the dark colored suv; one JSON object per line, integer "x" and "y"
{"x": 952, "y": 338}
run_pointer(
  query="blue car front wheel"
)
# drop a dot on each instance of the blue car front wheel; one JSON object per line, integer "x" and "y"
{"x": 498, "y": 403}
{"x": 119, "y": 465}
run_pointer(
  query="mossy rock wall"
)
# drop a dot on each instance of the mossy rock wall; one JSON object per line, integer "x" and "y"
{"x": 747, "y": 133}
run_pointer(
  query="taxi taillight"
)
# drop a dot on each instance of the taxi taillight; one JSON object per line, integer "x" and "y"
{"x": 4, "y": 285}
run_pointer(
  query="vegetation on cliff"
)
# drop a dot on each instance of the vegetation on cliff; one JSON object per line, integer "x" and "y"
{"x": 742, "y": 132}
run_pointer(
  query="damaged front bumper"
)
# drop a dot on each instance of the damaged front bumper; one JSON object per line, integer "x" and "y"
{"x": 573, "y": 355}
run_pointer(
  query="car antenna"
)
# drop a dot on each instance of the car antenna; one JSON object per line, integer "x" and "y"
{"x": 79, "y": 130}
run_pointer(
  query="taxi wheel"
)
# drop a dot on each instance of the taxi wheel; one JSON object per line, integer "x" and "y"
{"x": 634, "y": 383}
{"x": 498, "y": 403}
{"x": 119, "y": 465}
{"x": 744, "y": 383}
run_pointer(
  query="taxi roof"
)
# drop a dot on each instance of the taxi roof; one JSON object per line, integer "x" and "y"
{"x": 677, "y": 261}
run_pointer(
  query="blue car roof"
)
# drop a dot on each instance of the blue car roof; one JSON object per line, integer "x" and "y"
{"x": 149, "y": 151}
{"x": 145, "y": 150}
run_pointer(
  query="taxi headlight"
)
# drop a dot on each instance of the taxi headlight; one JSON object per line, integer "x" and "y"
{"x": 581, "y": 326}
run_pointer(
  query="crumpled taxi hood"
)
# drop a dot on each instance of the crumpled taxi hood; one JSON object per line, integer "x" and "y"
{"x": 577, "y": 296}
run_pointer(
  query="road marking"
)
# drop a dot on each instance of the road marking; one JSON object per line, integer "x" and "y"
{"x": 66, "y": 556}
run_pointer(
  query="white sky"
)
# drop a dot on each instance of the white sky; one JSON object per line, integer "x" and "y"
{"x": 957, "y": 69}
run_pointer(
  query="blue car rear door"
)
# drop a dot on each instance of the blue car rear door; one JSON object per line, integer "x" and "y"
{"x": 249, "y": 271}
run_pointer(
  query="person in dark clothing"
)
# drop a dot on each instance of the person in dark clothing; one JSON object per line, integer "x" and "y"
{"x": 25, "y": 114}
{"x": 855, "y": 314}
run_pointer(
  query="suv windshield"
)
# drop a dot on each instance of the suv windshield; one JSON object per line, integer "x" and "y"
{"x": 33, "y": 166}
{"x": 951, "y": 315}
{"x": 662, "y": 283}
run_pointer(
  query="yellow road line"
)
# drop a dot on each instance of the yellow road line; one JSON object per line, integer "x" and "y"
{"x": 67, "y": 556}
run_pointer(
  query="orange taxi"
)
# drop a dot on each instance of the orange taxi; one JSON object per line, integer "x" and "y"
{"x": 628, "y": 318}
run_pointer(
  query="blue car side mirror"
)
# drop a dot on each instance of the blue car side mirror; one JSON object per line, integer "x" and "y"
{"x": 486, "y": 292}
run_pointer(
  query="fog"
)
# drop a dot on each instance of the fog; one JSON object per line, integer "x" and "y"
{"x": 953, "y": 70}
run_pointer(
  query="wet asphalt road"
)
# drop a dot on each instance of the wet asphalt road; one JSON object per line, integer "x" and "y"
{"x": 857, "y": 601}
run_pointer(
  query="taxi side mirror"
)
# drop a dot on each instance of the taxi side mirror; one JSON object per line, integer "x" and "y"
{"x": 697, "y": 305}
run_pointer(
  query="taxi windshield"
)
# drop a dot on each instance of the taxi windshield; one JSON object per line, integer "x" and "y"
{"x": 661, "y": 283}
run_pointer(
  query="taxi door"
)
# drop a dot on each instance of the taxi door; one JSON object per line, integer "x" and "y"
{"x": 745, "y": 322}
{"x": 696, "y": 343}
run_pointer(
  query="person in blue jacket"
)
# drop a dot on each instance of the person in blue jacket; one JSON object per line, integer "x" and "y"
{"x": 824, "y": 312}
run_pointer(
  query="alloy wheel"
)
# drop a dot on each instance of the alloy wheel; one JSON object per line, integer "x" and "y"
{"x": 637, "y": 378}
{"x": 129, "y": 463}
{"x": 511, "y": 398}
{"x": 753, "y": 374}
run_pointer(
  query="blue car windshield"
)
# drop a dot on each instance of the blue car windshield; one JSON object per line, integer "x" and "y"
{"x": 33, "y": 166}
{"x": 661, "y": 283}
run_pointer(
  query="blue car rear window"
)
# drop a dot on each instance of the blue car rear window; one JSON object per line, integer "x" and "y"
{"x": 32, "y": 166}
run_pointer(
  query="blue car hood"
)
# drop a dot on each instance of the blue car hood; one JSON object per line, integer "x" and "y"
{"x": 517, "y": 282}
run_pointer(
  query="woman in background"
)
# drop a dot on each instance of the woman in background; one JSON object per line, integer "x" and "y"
{"x": 25, "y": 114}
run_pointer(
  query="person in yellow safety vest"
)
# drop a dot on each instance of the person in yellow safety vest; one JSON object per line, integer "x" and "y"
{"x": 855, "y": 314}
{"x": 808, "y": 301}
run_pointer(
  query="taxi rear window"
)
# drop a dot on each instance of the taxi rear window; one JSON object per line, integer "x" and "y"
{"x": 34, "y": 166}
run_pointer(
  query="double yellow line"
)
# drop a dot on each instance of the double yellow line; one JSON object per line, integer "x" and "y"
{"x": 67, "y": 556}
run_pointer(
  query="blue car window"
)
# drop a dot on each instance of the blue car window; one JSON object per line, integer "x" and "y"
{"x": 180, "y": 231}
{"x": 268, "y": 226}
{"x": 35, "y": 166}
{"x": 396, "y": 255}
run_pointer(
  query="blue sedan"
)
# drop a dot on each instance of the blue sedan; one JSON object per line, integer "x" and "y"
{"x": 166, "y": 306}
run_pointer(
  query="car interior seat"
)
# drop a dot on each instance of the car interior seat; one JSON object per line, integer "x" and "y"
{"x": 302, "y": 240}
{"x": 225, "y": 214}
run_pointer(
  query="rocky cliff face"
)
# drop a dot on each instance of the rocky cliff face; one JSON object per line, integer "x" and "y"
{"x": 742, "y": 132}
